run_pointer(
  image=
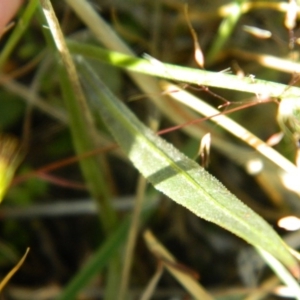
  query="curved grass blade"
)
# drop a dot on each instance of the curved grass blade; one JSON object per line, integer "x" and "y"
{"x": 180, "y": 178}
{"x": 13, "y": 271}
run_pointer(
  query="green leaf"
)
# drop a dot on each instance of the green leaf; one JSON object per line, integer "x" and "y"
{"x": 157, "y": 68}
{"x": 177, "y": 176}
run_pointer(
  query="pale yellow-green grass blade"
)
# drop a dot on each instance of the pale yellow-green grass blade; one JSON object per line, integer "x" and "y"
{"x": 9, "y": 161}
{"x": 168, "y": 260}
{"x": 157, "y": 68}
{"x": 281, "y": 272}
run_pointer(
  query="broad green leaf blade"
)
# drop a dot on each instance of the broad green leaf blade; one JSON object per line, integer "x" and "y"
{"x": 177, "y": 176}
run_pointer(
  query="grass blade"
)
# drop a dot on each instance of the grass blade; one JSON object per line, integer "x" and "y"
{"x": 185, "y": 74}
{"x": 99, "y": 260}
{"x": 18, "y": 31}
{"x": 177, "y": 176}
{"x": 13, "y": 271}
